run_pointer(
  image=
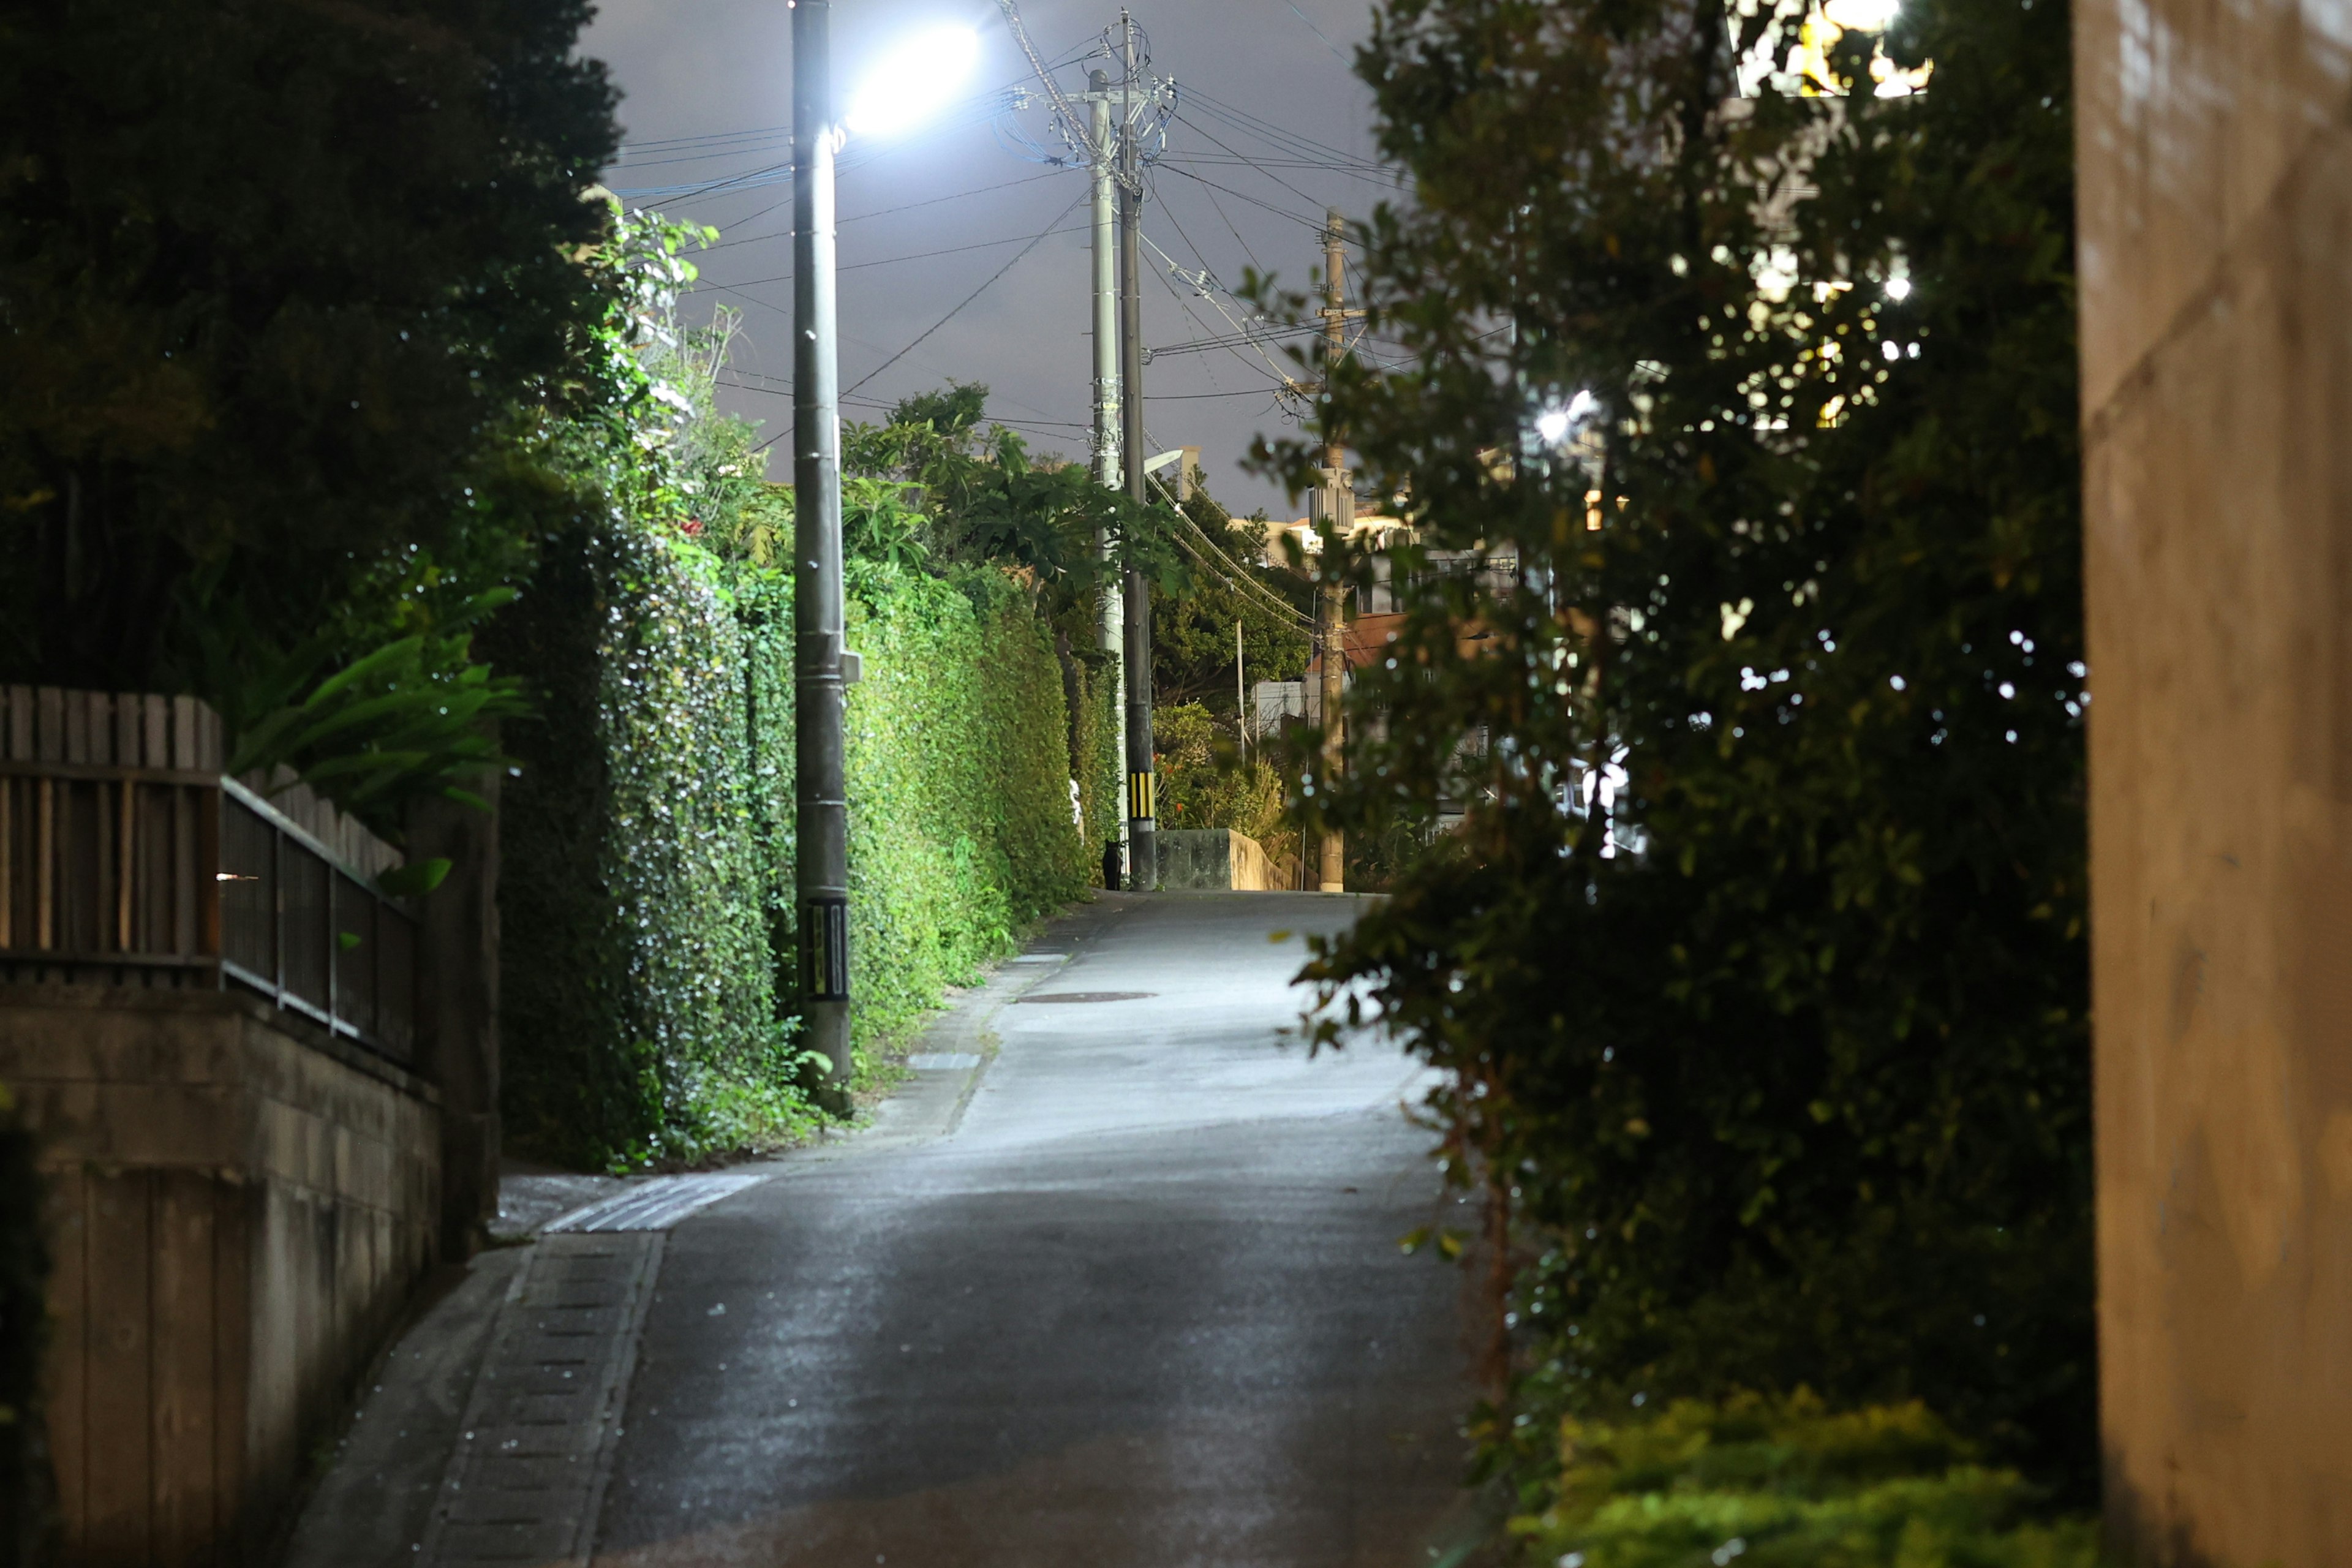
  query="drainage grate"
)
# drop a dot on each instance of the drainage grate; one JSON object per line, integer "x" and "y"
{"x": 1088, "y": 996}
{"x": 656, "y": 1204}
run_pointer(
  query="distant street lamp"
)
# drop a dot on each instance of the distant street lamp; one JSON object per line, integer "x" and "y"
{"x": 912, "y": 83}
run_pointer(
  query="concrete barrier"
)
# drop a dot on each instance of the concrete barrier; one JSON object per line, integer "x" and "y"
{"x": 1196, "y": 859}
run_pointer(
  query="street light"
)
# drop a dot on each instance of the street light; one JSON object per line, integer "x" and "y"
{"x": 913, "y": 82}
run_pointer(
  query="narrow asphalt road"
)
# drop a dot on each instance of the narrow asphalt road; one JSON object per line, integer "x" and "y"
{"x": 1142, "y": 1305}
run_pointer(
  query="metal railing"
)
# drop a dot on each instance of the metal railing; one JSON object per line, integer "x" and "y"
{"x": 127, "y": 859}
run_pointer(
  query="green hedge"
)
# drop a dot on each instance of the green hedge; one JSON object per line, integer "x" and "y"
{"x": 646, "y": 893}
{"x": 1784, "y": 1484}
{"x": 638, "y": 1013}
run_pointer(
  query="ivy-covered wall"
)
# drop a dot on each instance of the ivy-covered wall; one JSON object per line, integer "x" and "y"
{"x": 646, "y": 892}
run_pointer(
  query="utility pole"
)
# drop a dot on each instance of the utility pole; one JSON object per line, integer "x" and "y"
{"x": 1142, "y": 827}
{"x": 1109, "y": 473}
{"x": 820, "y": 867}
{"x": 1337, "y": 515}
{"x": 1240, "y": 693}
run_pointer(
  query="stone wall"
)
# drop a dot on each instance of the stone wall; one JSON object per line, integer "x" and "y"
{"x": 239, "y": 1206}
{"x": 2216, "y": 269}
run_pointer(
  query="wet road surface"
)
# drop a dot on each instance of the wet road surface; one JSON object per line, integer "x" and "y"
{"x": 1142, "y": 1305}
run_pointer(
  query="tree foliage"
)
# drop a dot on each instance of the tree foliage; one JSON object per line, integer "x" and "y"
{"x": 280, "y": 283}
{"x": 1759, "y": 961}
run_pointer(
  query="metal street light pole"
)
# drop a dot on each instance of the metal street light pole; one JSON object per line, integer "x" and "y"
{"x": 1142, "y": 827}
{"x": 1109, "y": 472}
{"x": 821, "y": 864}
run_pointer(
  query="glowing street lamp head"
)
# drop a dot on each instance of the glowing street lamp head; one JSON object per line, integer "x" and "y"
{"x": 1554, "y": 423}
{"x": 913, "y": 83}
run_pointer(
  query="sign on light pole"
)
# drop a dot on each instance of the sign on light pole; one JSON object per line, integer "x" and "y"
{"x": 820, "y": 689}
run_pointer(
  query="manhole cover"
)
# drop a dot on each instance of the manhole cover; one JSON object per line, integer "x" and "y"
{"x": 1090, "y": 996}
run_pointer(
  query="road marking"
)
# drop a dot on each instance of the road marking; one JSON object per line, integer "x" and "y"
{"x": 943, "y": 1061}
{"x": 656, "y": 1204}
{"x": 1084, "y": 997}
{"x": 528, "y": 1479}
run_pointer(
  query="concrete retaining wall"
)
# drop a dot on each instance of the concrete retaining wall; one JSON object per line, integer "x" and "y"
{"x": 2216, "y": 221}
{"x": 239, "y": 1206}
{"x": 1214, "y": 857}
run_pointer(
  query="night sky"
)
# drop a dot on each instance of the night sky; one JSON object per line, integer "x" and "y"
{"x": 707, "y": 86}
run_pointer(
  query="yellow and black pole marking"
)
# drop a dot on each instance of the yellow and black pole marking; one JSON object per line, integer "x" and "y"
{"x": 824, "y": 950}
{"x": 1140, "y": 804}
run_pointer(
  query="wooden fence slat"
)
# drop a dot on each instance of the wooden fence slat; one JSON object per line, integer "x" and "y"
{"x": 45, "y": 861}
{"x": 127, "y": 750}
{"x": 185, "y": 1429}
{"x": 126, "y": 861}
{"x": 122, "y": 1489}
{"x": 49, "y": 724}
{"x": 68, "y": 1202}
{"x": 17, "y": 743}
{"x": 154, "y": 834}
{"x": 77, "y": 709}
{"x": 155, "y": 719}
{"x": 183, "y": 731}
{"x": 210, "y": 745}
{"x": 207, "y": 887}
{"x": 8, "y": 789}
{"x": 185, "y": 871}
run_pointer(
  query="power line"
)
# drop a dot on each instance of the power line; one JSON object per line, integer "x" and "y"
{"x": 1312, "y": 223}
{"x": 1267, "y": 131}
{"x": 968, "y": 299}
{"x": 925, "y": 255}
{"x": 885, "y": 211}
{"x": 1316, "y": 30}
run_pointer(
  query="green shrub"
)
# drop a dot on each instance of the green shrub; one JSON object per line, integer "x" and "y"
{"x": 1785, "y": 1484}
{"x": 1203, "y": 784}
{"x": 639, "y": 1017}
{"x": 959, "y": 773}
{"x": 1758, "y": 966}
{"x": 646, "y": 895}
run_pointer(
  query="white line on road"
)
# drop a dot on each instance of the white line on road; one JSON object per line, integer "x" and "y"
{"x": 656, "y": 1204}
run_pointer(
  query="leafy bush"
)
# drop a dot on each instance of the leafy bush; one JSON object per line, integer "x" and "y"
{"x": 1758, "y": 963}
{"x": 640, "y": 1019}
{"x": 243, "y": 338}
{"x": 646, "y": 899}
{"x": 1784, "y": 1484}
{"x": 1204, "y": 782}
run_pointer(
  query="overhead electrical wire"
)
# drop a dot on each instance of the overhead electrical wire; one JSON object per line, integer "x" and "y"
{"x": 1312, "y": 223}
{"x": 1267, "y": 131}
{"x": 968, "y": 299}
{"x": 885, "y": 211}
{"x": 926, "y": 255}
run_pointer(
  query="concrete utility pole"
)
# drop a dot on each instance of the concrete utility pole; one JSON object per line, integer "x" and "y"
{"x": 820, "y": 798}
{"x": 1109, "y": 472}
{"x": 1241, "y": 693}
{"x": 1142, "y": 827}
{"x": 1337, "y": 515}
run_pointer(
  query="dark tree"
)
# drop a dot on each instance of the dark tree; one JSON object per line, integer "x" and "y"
{"x": 277, "y": 279}
{"x": 1758, "y": 961}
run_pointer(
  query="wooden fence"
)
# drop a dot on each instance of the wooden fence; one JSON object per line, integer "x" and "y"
{"x": 128, "y": 858}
